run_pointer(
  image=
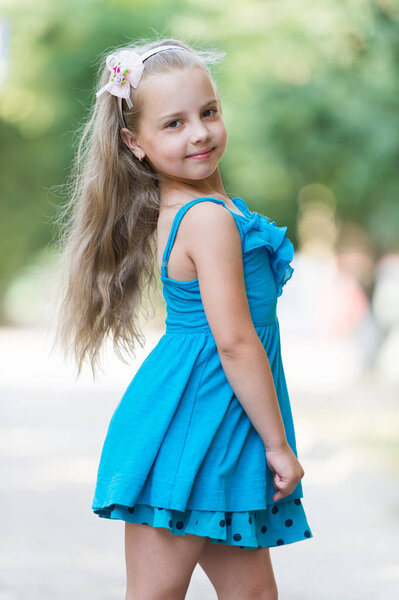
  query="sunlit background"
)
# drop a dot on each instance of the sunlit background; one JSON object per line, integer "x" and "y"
{"x": 310, "y": 94}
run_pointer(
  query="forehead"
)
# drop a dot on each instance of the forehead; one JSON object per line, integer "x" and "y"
{"x": 176, "y": 90}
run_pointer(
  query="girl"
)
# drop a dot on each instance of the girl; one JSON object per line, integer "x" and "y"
{"x": 200, "y": 458}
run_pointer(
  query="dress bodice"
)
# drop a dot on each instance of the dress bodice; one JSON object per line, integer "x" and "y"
{"x": 267, "y": 253}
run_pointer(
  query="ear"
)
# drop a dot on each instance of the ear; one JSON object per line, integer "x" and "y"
{"x": 130, "y": 141}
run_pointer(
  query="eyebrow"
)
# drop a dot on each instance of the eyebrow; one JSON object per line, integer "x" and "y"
{"x": 176, "y": 114}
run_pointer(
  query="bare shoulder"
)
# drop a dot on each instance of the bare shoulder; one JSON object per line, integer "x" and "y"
{"x": 210, "y": 233}
{"x": 207, "y": 215}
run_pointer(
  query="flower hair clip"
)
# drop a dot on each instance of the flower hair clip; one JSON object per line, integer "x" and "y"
{"x": 126, "y": 70}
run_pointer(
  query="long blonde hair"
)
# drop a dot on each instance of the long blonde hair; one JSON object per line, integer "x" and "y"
{"x": 106, "y": 246}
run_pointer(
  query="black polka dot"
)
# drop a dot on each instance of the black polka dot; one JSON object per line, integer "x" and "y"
{"x": 288, "y": 522}
{"x": 236, "y": 537}
{"x": 307, "y": 533}
{"x": 220, "y": 540}
{"x": 170, "y": 523}
{"x": 222, "y": 523}
{"x": 131, "y": 509}
{"x": 264, "y": 529}
{"x": 144, "y": 523}
{"x": 241, "y": 547}
{"x": 159, "y": 508}
{"x": 297, "y": 501}
{"x": 280, "y": 542}
{"x": 250, "y": 519}
{"x": 179, "y": 524}
{"x": 196, "y": 522}
{"x": 228, "y": 521}
{"x": 259, "y": 546}
{"x": 275, "y": 509}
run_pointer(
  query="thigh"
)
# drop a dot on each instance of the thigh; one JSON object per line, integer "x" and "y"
{"x": 159, "y": 564}
{"x": 239, "y": 572}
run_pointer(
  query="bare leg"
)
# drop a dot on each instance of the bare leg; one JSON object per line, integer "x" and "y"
{"x": 239, "y": 574}
{"x": 159, "y": 564}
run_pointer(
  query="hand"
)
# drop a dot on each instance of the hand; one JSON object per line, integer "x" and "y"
{"x": 286, "y": 468}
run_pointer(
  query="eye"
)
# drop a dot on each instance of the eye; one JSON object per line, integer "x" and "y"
{"x": 168, "y": 125}
{"x": 177, "y": 120}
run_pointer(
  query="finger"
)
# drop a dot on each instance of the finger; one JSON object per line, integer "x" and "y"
{"x": 277, "y": 496}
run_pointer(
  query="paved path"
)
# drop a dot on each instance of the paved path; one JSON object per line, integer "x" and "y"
{"x": 52, "y": 428}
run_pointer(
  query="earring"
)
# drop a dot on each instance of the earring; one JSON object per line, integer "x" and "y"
{"x": 141, "y": 157}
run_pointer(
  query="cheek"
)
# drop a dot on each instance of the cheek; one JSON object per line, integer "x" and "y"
{"x": 221, "y": 130}
{"x": 222, "y": 137}
{"x": 170, "y": 145}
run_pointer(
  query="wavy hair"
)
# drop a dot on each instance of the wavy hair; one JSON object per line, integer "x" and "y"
{"x": 106, "y": 243}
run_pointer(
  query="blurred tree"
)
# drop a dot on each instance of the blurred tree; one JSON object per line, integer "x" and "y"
{"x": 309, "y": 91}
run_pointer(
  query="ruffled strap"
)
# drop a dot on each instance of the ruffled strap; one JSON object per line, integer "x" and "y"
{"x": 260, "y": 231}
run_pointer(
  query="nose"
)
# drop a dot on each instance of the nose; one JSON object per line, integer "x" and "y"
{"x": 199, "y": 133}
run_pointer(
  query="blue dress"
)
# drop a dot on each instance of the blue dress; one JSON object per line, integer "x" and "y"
{"x": 180, "y": 451}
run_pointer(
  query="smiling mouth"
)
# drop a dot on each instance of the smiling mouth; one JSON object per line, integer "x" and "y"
{"x": 202, "y": 153}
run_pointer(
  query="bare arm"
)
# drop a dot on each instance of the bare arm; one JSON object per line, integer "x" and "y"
{"x": 213, "y": 243}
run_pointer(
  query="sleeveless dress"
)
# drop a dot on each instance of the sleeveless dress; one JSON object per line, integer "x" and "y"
{"x": 180, "y": 451}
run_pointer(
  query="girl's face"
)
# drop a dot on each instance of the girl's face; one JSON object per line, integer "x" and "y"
{"x": 181, "y": 116}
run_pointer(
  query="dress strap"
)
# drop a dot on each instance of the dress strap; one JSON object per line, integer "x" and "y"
{"x": 175, "y": 225}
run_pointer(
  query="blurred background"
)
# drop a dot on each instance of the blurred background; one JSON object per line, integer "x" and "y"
{"x": 313, "y": 121}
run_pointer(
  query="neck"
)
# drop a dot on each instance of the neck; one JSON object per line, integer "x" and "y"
{"x": 173, "y": 189}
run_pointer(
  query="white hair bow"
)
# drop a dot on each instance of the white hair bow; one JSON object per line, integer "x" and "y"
{"x": 126, "y": 70}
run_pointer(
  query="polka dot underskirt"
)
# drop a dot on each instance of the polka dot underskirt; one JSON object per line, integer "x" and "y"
{"x": 279, "y": 524}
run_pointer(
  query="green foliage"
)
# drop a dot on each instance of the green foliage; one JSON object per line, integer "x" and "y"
{"x": 310, "y": 94}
